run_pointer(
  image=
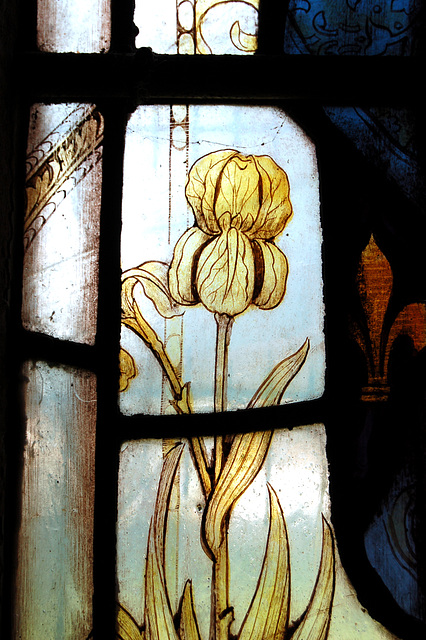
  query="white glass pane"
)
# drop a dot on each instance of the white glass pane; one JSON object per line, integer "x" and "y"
{"x": 61, "y": 241}
{"x": 197, "y": 26}
{"x": 54, "y": 585}
{"x": 79, "y": 26}
{"x": 165, "y": 145}
{"x": 278, "y": 506}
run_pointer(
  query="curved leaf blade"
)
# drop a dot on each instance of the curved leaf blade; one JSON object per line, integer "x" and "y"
{"x": 316, "y": 621}
{"x": 154, "y": 278}
{"x": 244, "y": 461}
{"x": 159, "y": 623}
{"x": 273, "y": 387}
{"x": 126, "y": 626}
{"x": 268, "y": 615}
{"x": 188, "y": 627}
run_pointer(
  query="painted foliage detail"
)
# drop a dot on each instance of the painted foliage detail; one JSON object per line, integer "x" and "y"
{"x": 268, "y": 616}
{"x": 201, "y": 22}
{"x": 227, "y": 262}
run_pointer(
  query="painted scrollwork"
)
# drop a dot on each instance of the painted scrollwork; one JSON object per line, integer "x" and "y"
{"x": 59, "y": 160}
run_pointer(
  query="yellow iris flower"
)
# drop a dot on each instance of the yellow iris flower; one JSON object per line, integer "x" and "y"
{"x": 228, "y": 259}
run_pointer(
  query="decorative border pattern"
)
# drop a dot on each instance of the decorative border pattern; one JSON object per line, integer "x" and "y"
{"x": 53, "y": 162}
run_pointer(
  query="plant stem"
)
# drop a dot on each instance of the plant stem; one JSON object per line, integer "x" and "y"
{"x": 222, "y": 613}
{"x": 223, "y": 337}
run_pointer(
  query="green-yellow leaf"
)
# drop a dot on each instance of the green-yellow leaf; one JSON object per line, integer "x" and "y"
{"x": 268, "y": 615}
{"x": 126, "y": 626}
{"x": 244, "y": 461}
{"x": 153, "y": 276}
{"x": 273, "y": 387}
{"x": 316, "y": 622}
{"x": 188, "y": 627}
{"x": 159, "y": 624}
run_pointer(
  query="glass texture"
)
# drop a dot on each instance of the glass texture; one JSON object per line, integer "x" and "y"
{"x": 61, "y": 228}
{"x": 54, "y": 584}
{"x": 197, "y": 26}
{"x": 353, "y": 27}
{"x": 78, "y": 26}
{"x": 386, "y": 136}
{"x": 391, "y": 547}
{"x": 271, "y": 504}
{"x": 388, "y": 139}
{"x": 212, "y": 291}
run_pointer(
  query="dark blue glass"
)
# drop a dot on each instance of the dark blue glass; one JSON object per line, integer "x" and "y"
{"x": 352, "y": 27}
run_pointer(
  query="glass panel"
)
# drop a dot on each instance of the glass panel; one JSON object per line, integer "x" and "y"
{"x": 197, "y": 26}
{"x": 79, "y": 26}
{"x": 388, "y": 139}
{"x": 391, "y": 544}
{"x": 251, "y": 555}
{"x": 222, "y": 287}
{"x": 351, "y": 27}
{"x": 54, "y": 573}
{"x": 61, "y": 241}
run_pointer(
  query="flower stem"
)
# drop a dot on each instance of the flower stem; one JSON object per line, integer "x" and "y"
{"x": 222, "y": 613}
{"x": 223, "y": 336}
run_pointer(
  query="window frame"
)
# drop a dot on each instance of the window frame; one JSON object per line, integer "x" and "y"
{"x": 117, "y": 82}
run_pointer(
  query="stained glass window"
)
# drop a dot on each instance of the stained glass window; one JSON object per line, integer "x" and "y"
{"x": 281, "y": 249}
{"x": 216, "y": 328}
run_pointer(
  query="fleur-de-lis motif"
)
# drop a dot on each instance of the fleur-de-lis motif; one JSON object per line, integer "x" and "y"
{"x": 375, "y": 281}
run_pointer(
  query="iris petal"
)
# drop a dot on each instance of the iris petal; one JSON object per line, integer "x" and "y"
{"x": 238, "y": 190}
{"x": 275, "y": 208}
{"x": 201, "y": 188}
{"x": 275, "y": 271}
{"x": 181, "y": 272}
{"x": 225, "y": 274}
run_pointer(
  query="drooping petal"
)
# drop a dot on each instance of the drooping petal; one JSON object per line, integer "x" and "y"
{"x": 201, "y": 188}
{"x": 225, "y": 274}
{"x": 182, "y": 268}
{"x": 153, "y": 276}
{"x": 275, "y": 272}
{"x": 275, "y": 208}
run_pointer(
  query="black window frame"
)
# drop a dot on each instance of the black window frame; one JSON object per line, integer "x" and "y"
{"x": 117, "y": 81}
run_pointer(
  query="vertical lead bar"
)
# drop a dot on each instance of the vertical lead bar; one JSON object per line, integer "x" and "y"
{"x": 108, "y": 334}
